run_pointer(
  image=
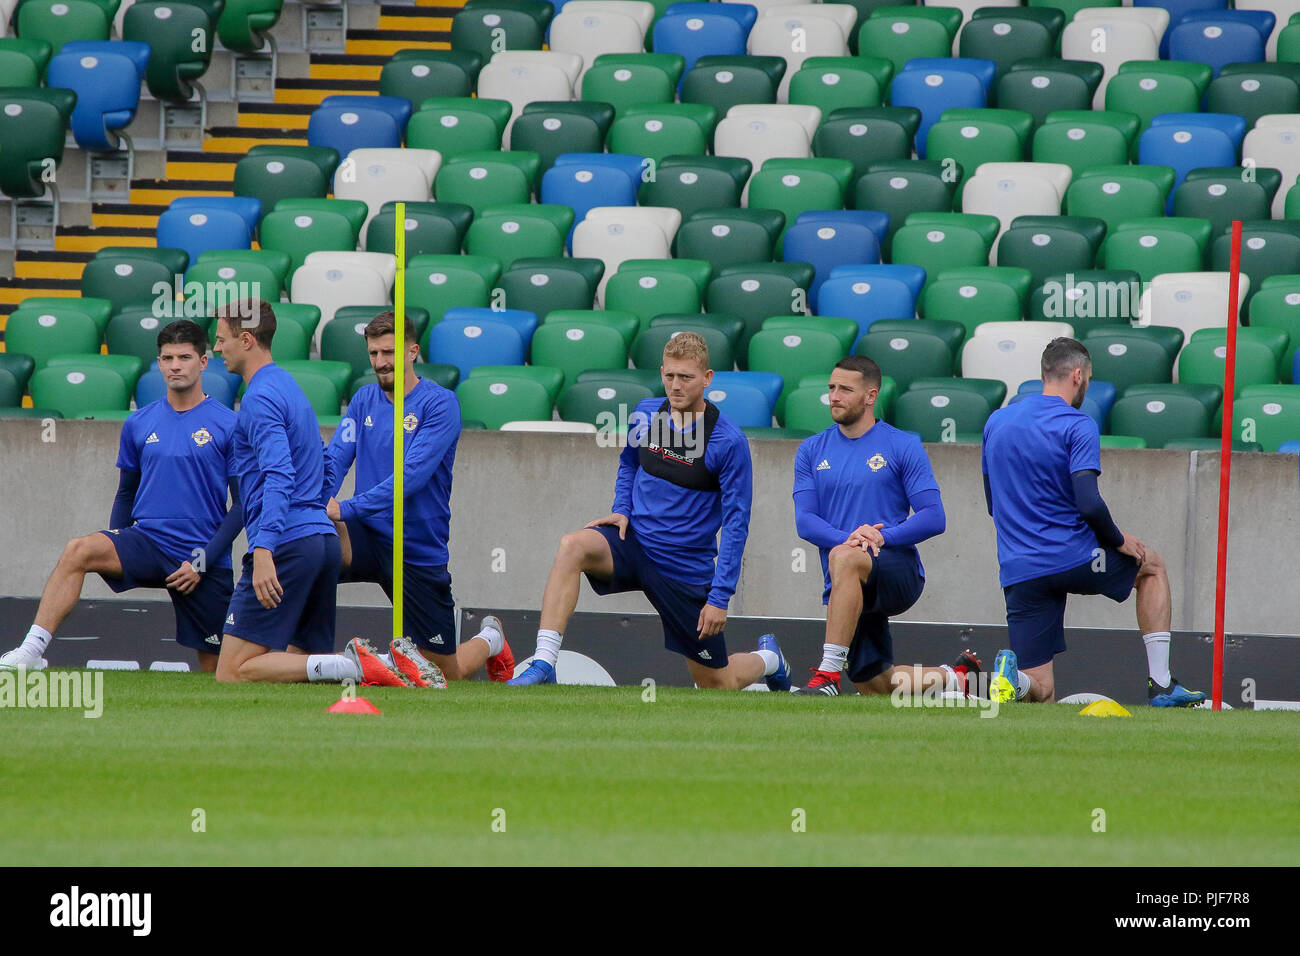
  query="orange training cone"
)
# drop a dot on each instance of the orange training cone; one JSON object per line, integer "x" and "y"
{"x": 352, "y": 705}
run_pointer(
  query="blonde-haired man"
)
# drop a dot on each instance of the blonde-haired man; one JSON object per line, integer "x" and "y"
{"x": 684, "y": 474}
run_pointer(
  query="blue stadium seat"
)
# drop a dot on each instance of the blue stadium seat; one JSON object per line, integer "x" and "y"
{"x": 866, "y": 299}
{"x": 693, "y": 35}
{"x": 982, "y": 70}
{"x": 877, "y": 222}
{"x": 106, "y": 78}
{"x": 524, "y": 323}
{"x": 1184, "y": 146}
{"x": 913, "y": 276}
{"x": 582, "y": 187}
{"x": 826, "y": 246}
{"x": 249, "y": 208}
{"x": 1177, "y": 9}
{"x": 1220, "y": 37}
{"x": 152, "y": 386}
{"x": 197, "y": 229}
{"x": 746, "y": 14}
{"x": 1101, "y": 393}
{"x": 1289, "y": 447}
{"x": 1230, "y": 124}
{"x": 632, "y": 165}
{"x": 345, "y": 128}
{"x": 932, "y": 92}
{"x": 769, "y": 383}
{"x": 468, "y": 345}
{"x": 398, "y": 107}
{"x": 746, "y": 406}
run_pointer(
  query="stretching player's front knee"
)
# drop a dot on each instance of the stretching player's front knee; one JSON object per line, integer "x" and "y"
{"x": 78, "y": 553}
{"x": 1154, "y": 564}
{"x": 848, "y": 560}
{"x": 571, "y": 552}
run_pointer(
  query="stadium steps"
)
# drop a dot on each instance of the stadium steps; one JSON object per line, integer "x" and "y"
{"x": 210, "y": 171}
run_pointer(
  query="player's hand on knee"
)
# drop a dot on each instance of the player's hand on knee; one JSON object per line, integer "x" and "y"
{"x": 616, "y": 520}
{"x": 184, "y": 579}
{"x": 265, "y": 583}
{"x": 1133, "y": 548}
{"x": 868, "y": 537}
{"x": 712, "y": 620}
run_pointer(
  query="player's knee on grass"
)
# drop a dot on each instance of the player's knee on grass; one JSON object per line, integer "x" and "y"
{"x": 449, "y": 664}
{"x": 882, "y": 683}
{"x": 848, "y": 560}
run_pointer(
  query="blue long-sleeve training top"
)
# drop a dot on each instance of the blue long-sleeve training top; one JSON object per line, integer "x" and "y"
{"x": 678, "y": 487}
{"x": 881, "y": 477}
{"x": 279, "y": 462}
{"x": 431, "y": 425}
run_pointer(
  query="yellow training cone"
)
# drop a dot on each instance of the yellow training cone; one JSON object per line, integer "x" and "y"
{"x": 1105, "y": 708}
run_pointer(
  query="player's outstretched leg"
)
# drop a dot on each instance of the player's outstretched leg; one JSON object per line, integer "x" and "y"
{"x": 488, "y": 647}
{"x": 93, "y": 554}
{"x": 1154, "y": 604}
{"x": 767, "y": 664}
{"x": 580, "y": 552}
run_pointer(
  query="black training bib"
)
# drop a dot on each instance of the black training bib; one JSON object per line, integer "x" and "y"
{"x": 673, "y": 456}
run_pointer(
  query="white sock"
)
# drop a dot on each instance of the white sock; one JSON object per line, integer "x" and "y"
{"x": 1157, "y": 643}
{"x": 950, "y": 681}
{"x": 37, "y": 639}
{"x": 770, "y": 662}
{"x": 548, "y": 646}
{"x": 834, "y": 657}
{"x": 1022, "y": 691}
{"x": 496, "y": 641}
{"x": 331, "y": 667}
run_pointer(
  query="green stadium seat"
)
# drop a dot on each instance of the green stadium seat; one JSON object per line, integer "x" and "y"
{"x": 19, "y": 366}
{"x": 174, "y": 260}
{"x": 575, "y": 347}
{"x": 527, "y": 231}
{"x": 808, "y": 409}
{"x": 40, "y": 334}
{"x": 731, "y": 326}
{"x": 23, "y": 61}
{"x": 646, "y": 377}
{"x": 1157, "y": 417}
{"x": 727, "y": 237}
{"x": 901, "y": 188}
{"x": 302, "y": 314}
{"x": 1007, "y": 35}
{"x": 867, "y": 135}
{"x": 73, "y": 390}
{"x": 1268, "y": 419}
{"x": 970, "y": 137}
{"x": 1089, "y": 299}
{"x": 693, "y": 183}
{"x": 98, "y": 309}
{"x": 1203, "y": 360}
{"x": 1252, "y": 90}
{"x": 794, "y": 186}
{"x": 1223, "y": 194}
{"x": 57, "y": 22}
{"x": 495, "y": 400}
{"x": 1278, "y": 341}
{"x": 937, "y": 246}
{"x": 1083, "y": 140}
{"x": 1208, "y": 394}
{"x": 551, "y": 129}
{"x": 33, "y": 126}
{"x": 939, "y": 413}
{"x": 432, "y": 228}
{"x": 11, "y": 393}
{"x": 419, "y": 74}
{"x": 974, "y": 296}
{"x": 486, "y": 27}
{"x": 221, "y": 283}
{"x": 277, "y": 260}
{"x": 271, "y": 173}
{"x": 659, "y": 130}
{"x": 1123, "y": 441}
{"x": 1125, "y": 359}
{"x": 1115, "y": 194}
{"x": 648, "y": 348}
{"x": 1276, "y": 305}
{"x": 181, "y": 37}
{"x": 905, "y": 355}
{"x": 1048, "y": 245}
{"x": 839, "y": 82}
{"x": 993, "y": 391}
{"x": 626, "y": 324}
{"x": 1152, "y": 246}
{"x": 439, "y": 283}
{"x": 846, "y": 331}
{"x": 301, "y": 231}
{"x": 482, "y": 180}
{"x": 792, "y": 355}
{"x": 758, "y": 291}
{"x": 647, "y": 293}
{"x": 602, "y": 402}
{"x": 632, "y": 79}
{"x": 550, "y": 378}
{"x": 456, "y": 125}
{"x": 951, "y": 332}
{"x": 544, "y": 286}
{"x": 1268, "y": 248}
{"x": 899, "y": 34}
{"x": 1148, "y": 92}
{"x": 726, "y": 81}
{"x": 1040, "y": 87}
{"x": 128, "y": 367}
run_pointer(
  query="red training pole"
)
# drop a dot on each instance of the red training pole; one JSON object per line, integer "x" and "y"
{"x": 1225, "y": 464}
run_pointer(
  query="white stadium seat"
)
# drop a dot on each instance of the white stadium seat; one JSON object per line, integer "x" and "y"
{"x": 591, "y": 27}
{"x": 1011, "y": 356}
{"x": 1274, "y": 143}
{"x": 1008, "y": 190}
{"x": 332, "y": 284}
{"x": 763, "y": 5}
{"x": 1190, "y": 301}
{"x": 822, "y": 32}
{"x": 385, "y": 263}
{"x": 377, "y": 176}
{"x": 1112, "y": 37}
{"x": 614, "y": 234}
{"x": 762, "y": 132}
{"x": 1053, "y": 330}
{"x": 521, "y": 77}
{"x": 555, "y": 428}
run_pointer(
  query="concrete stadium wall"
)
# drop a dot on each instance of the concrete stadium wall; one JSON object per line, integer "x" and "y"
{"x": 515, "y": 494}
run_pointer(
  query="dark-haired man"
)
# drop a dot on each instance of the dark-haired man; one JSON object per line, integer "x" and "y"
{"x": 865, "y": 494}
{"x": 1041, "y": 459}
{"x": 431, "y": 423}
{"x": 283, "y": 606}
{"x": 169, "y": 525}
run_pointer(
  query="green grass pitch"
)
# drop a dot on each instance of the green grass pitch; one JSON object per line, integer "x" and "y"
{"x": 600, "y": 776}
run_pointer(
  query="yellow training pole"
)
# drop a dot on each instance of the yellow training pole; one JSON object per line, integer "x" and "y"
{"x": 399, "y": 416}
